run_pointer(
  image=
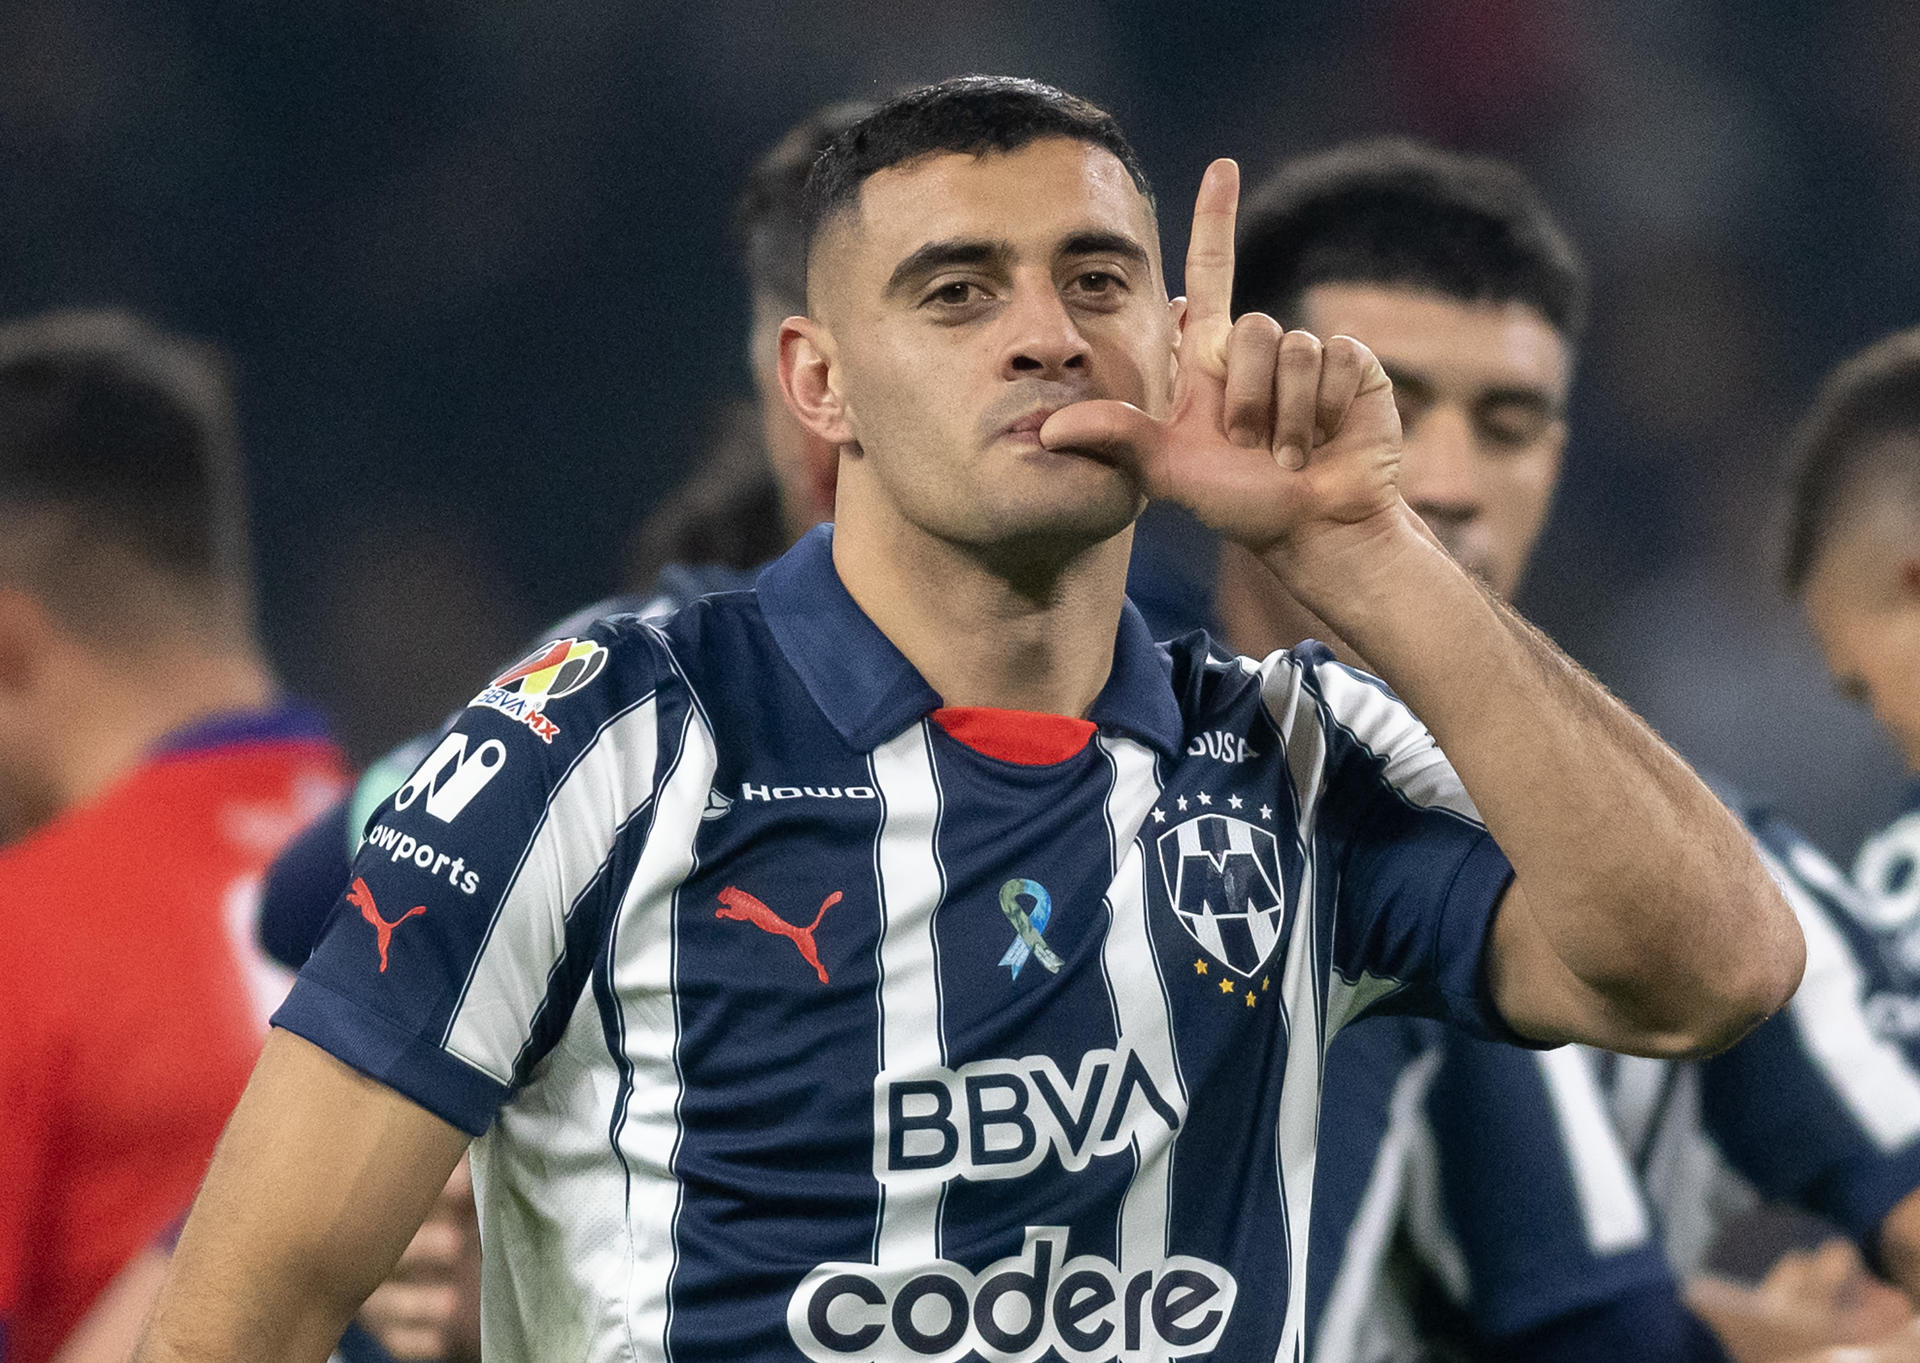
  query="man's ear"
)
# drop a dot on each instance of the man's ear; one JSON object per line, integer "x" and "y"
{"x": 808, "y": 371}
{"x": 26, "y": 636}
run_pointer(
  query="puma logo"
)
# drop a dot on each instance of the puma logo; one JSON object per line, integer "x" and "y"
{"x": 744, "y": 908}
{"x": 362, "y": 898}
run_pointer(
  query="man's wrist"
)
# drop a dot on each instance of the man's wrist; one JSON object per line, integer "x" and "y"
{"x": 1353, "y": 575}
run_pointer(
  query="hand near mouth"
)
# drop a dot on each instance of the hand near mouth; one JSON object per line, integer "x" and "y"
{"x": 1272, "y": 436}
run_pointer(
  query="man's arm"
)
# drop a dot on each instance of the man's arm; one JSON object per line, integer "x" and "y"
{"x": 1900, "y": 1244}
{"x": 1639, "y": 919}
{"x": 318, "y": 1184}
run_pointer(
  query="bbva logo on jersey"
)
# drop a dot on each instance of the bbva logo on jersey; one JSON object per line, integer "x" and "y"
{"x": 1223, "y": 879}
{"x": 451, "y": 776}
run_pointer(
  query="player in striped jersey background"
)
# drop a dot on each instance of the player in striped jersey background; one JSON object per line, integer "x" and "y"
{"x": 1522, "y": 1200}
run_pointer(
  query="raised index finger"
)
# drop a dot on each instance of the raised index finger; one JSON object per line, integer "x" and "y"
{"x": 1210, "y": 247}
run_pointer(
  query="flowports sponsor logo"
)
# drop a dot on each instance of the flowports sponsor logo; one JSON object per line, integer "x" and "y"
{"x": 1000, "y": 1118}
{"x": 402, "y": 847}
{"x": 1223, "y": 877}
{"x": 551, "y": 671}
{"x": 750, "y": 792}
{"x": 1085, "y": 1309}
{"x": 451, "y": 776}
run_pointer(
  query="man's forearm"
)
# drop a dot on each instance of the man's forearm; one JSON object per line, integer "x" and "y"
{"x": 1642, "y": 885}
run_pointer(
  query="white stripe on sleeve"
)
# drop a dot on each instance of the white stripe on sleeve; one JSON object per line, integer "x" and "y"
{"x": 608, "y": 782}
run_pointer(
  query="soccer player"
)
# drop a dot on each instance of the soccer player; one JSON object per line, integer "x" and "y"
{"x": 1497, "y": 1163}
{"x": 140, "y": 725}
{"x": 907, "y": 957}
{"x": 1854, "y": 560}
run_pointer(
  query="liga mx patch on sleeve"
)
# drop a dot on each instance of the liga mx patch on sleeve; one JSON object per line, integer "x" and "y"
{"x": 551, "y": 672}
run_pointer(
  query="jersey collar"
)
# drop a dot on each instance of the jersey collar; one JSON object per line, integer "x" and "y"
{"x": 869, "y": 691}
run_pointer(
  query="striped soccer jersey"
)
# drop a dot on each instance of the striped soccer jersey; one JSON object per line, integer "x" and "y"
{"x": 1885, "y": 926}
{"x": 804, "y": 1018}
{"x": 1522, "y": 1180}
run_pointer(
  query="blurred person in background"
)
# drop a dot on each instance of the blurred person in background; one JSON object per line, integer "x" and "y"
{"x": 1853, "y": 559}
{"x": 1530, "y": 1238}
{"x": 145, "y": 742}
{"x": 765, "y": 481}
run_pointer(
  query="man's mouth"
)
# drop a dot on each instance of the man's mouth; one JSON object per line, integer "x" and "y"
{"x": 1026, "y": 429}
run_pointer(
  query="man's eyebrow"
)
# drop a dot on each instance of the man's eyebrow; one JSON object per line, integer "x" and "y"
{"x": 939, "y": 255}
{"x": 1534, "y": 399}
{"x": 1409, "y": 381}
{"x": 1097, "y": 243}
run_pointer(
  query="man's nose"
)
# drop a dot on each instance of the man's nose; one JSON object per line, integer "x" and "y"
{"x": 1440, "y": 468}
{"x": 1043, "y": 341}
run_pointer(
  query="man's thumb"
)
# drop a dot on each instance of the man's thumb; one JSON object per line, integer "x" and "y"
{"x": 1109, "y": 430}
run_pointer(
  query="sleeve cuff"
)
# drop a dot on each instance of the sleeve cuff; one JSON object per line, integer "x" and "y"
{"x": 443, "y": 1084}
{"x": 1467, "y": 918}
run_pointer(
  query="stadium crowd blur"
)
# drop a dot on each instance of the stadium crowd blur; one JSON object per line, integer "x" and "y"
{"x": 472, "y": 261}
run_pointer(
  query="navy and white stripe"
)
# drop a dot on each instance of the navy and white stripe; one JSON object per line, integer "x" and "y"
{"x": 1544, "y": 1165}
{"x": 732, "y": 1001}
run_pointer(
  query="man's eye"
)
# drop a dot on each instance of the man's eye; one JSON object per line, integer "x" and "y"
{"x": 1513, "y": 427}
{"x": 1098, "y": 281}
{"x": 957, "y": 294}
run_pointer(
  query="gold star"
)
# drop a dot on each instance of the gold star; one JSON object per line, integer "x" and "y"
{"x": 1249, "y": 999}
{"x": 1199, "y": 967}
{"x": 1265, "y": 980}
{"x": 1226, "y": 986}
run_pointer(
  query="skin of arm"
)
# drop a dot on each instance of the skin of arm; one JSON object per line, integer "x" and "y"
{"x": 1640, "y": 918}
{"x": 324, "y": 1175}
{"x": 1900, "y": 1244}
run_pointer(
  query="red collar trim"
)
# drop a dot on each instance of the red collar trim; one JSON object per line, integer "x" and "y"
{"x": 1021, "y": 736}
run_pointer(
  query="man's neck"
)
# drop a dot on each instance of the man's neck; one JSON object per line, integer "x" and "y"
{"x": 120, "y": 714}
{"x": 1041, "y": 640}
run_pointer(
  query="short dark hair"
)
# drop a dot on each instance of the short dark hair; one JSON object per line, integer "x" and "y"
{"x": 1864, "y": 420}
{"x": 125, "y": 436}
{"x": 967, "y": 114}
{"x": 770, "y": 216}
{"x": 1397, "y": 212}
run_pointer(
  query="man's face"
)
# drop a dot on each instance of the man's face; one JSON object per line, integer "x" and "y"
{"x": 966, "y": 299}
{"x": 1482, "y": 390}
{"x": 1863, "y": 601}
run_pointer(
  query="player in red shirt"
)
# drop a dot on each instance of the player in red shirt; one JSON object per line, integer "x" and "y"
{"x": 141, "y": 731}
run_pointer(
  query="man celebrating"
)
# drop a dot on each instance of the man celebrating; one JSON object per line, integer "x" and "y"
{"x": 907, "y": 959}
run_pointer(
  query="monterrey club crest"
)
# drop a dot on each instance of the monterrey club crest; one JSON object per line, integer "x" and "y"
{"x": 1223, "y": 878}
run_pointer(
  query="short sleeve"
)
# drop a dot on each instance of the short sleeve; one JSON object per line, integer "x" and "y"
{"x": 474, "y": 908}
{"x": 1813, "y": 1107}
{"x": 1416, "y": 876}
{"x": 1542, "y": 1209}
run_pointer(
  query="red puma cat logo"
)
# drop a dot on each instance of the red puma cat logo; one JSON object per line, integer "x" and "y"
{"x": 362, "y": 898}
{"x": 744, "y": 908}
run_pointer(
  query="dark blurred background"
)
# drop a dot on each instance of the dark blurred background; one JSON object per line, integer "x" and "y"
{"x": 471, "y": 260}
